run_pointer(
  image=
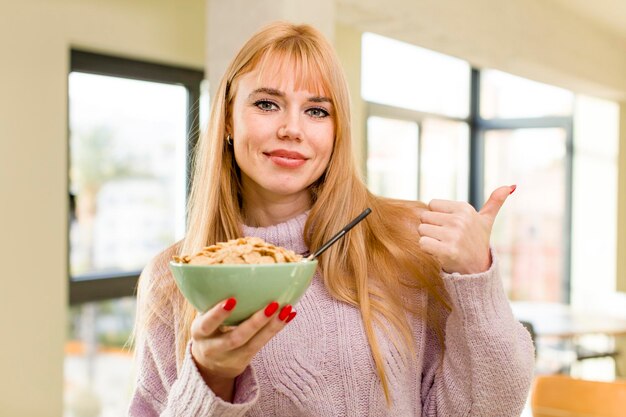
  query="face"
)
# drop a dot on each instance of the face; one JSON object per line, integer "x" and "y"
{"x": 282, "y": 136}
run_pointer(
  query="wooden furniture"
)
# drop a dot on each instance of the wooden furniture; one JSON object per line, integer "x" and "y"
{"x": 564, "y": 396}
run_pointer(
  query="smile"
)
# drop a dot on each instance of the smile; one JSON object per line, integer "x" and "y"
{"x": 286, "y": 159}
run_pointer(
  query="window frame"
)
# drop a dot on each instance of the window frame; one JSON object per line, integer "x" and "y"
{"x": 103, "y": 286}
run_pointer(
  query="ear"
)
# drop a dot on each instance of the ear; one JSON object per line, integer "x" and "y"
{"x": 228, "y": 127}
{"x": 228, "y": 120}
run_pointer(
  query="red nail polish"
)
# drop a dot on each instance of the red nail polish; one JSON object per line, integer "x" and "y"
{"x": 513, "y": 187}
{"x": 291, "y": 316}
{"x": 230, "y": 304}
{"x": 284, "y": 312}
{"x": 271, "y": 308}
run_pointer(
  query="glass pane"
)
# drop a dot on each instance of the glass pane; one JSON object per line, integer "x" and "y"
{"x": 508, "y": 96}
{"x": 98, "y": 367}
{"x": 445, "y": 160}
{"x": 529, "y": 230}
{"x": 127, "y": 171}
{"x": 595, "y": 196}
{"x": 404, "y": 75}
{"x": 392, "y": 157}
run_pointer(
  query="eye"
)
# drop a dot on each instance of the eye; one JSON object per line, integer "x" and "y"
{"x": 318, "y": 112}
{"x": 266, "y": 105}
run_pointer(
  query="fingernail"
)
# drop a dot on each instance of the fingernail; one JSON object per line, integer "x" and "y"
{"x": 291, "y": 316}
{"x": 271, "y": 308}
{"x": 230, "y": 304}
{"x": 284, "y": 312}
{"x": 513, "y": 187}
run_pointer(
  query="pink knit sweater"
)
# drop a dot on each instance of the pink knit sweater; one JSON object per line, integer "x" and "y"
{"x": 321, "y": 365}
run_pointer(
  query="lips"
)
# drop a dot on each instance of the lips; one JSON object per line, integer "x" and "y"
{"x": 283, "y": 153}
{"x": 285, "y": 158}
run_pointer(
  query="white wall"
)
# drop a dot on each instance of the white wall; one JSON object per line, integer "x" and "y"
{"x": 230, "y": 24}
{"x": 35, "y": 39}
{"x": 348, "y": 46}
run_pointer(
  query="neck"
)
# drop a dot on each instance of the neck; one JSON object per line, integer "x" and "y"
{"x": 263, "y": 211}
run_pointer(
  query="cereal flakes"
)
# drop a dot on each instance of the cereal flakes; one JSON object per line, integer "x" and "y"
{"x": 246, "y": 250}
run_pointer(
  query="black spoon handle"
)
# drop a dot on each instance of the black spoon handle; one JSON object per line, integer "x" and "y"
{"x": 341, "y": 233}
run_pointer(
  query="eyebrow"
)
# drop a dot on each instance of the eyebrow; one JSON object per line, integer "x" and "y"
{"x": 278, "y": 93}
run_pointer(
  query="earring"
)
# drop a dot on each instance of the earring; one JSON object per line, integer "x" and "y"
{"x": 229, "y": 139}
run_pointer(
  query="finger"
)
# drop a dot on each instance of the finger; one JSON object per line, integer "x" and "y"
{"x": 207, "y": 323}
{"x": 247, "y": 329}
{"x": 450, "y": 206}
{"x": 432, "y": 246}
{"x": 275, "y": 325}
{"x": 429, "y": 230}
{"x": 433, "y": 217}
{"x": 496, "y": 200}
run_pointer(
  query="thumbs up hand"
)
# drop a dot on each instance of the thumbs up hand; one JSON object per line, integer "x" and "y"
{"x": 457, "y": 235}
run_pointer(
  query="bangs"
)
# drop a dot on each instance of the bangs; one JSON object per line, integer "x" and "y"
{"x": 299, "y": 59}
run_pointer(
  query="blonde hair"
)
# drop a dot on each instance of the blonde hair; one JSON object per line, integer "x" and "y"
{"x": 372, "y": 266}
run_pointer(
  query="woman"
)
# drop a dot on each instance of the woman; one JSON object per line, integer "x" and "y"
{"x": 406, "y": 315}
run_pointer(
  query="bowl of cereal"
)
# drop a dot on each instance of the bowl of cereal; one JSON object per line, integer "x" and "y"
{"x": 252, "y": 271}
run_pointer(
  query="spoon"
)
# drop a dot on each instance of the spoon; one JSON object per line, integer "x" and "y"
{"x": 339, "y": 235}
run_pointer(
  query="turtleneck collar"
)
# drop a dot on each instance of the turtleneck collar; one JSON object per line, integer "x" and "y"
{"x": 289, "y": 234}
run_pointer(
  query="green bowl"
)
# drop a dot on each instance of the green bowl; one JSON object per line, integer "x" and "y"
{"x": 254, "y": 286}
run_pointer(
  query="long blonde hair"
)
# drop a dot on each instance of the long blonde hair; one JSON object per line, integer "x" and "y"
{"x": 372, "y": 266}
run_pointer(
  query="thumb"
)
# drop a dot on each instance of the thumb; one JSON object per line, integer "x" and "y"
{"x": 496, "y": 200}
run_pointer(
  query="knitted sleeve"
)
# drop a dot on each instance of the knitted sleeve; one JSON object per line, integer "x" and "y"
{"x": 162, "y": 389}
{"x": 488, "y": 362}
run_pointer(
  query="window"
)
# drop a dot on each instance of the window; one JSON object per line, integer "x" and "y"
{"x": 530, "y": 233}
{"x": 403, "y": 75}
{"x": 439, "y": 129}
{"x": 445, "y": 162}
{"x": 526, "y": 133}
{"x": 132, "y": 126}
{"x": 392, "y": 157}
{"x": 506, "y": 96}
{"x": 128, "y": 168}
{"x": 594, "y": 204}
{"x": 417, "y": 129}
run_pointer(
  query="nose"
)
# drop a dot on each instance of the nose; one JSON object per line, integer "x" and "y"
{"x": 291, "y": 127}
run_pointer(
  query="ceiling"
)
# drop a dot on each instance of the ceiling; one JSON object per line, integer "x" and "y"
{"x": 610, "y": 14}
{"x": 416, "y": 21}
{"x": 391, "y": 15}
